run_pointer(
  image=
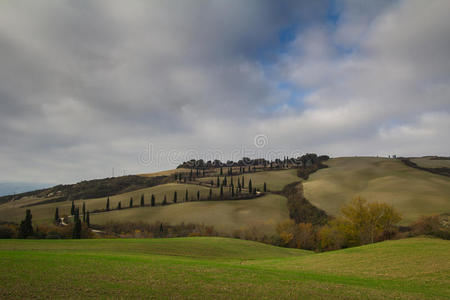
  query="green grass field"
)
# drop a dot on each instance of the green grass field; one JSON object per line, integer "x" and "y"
{"x": 221, "y": 268}
{"x": 412, "y": 192}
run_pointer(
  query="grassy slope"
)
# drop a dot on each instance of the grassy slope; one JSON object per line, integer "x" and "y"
{"x": 226, "y": 216}
{"x": 275, "y": 180}
{"x": 427, "y": 162}
{"x": 11, "y": 211}
{"x": 221, "y": 268}
{"x": 413, "y": 192}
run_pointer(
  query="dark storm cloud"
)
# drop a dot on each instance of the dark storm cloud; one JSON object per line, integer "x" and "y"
{"x": 86, "y": 85}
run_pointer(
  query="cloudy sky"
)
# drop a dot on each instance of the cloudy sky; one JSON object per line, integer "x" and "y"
{"x": 88, "y": 86}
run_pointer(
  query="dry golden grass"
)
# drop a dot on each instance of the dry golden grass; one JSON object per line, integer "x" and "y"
{"x": 411, "y": 191}
{"x": 428, "y": 162}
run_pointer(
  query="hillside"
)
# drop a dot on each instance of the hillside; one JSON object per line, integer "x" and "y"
{"x": 221, "y": 268}
{"x": 413, "y": 192}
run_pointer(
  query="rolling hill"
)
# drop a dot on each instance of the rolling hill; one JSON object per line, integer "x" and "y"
{"x": 221, "y": 268}
{"x": 413, "y": 192}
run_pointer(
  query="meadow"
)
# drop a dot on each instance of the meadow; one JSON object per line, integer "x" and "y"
{"x": 221, "y": 268}
{"x": 411, "y": 191}
{"x": 428, "y": 162}
{"x": 44, "y": 213}
{"x": 262, "y": 214}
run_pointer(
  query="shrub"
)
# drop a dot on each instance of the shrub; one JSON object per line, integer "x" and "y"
{"x": 7, "y": 232}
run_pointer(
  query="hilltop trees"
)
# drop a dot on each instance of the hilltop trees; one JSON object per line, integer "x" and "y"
{"x": 26, "y": 226}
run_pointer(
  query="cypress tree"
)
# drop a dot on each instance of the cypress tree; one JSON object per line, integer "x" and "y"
{"x": 249, "y": 169}
{"x": 203, "y": 172}
{"x": 254, "y": 191}
{"x": 175, "y": 197}
{"x": 243, "y": 182}
{"x": 221, "y": 171}
{"x": 57, "y": 215}
{"x": 225, "y": 181}
{"x": 186, "y": 196}
{"x": 88, "y": 221}
{"x": 232, "y": 180}
{"x": 198, "y": 195}
{"x": 265, "y": 187}
{"x": 26, "y": 226}
{"x": 191, "y": 175}
{"x": 232, "y": 190}
{"x": 165, "y": 200}
{"x": 210, "y": 194}
{"x": 218, "y": 181}
{"x": 212, "y": 182}
{"x": 153, "y": 200}
{"x": 197, "y": 173}
{"x": 221, "y": 191}
{"x": 161, "y": 229}
{"x": 76, "y": 234}
{"x": 239, "y": 183}
{"x": 84, "y": 212}
{"x": 72, "y": 209}
{"x": 119, "y": 205}
{"x": 131, "y": 201}
{"x": 142, "y": 200}
{"x": 250, "y": 186}
{"x": 107, "y": 204}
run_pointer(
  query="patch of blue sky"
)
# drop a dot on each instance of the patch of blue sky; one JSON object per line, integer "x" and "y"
{"x": 294, "y": 101}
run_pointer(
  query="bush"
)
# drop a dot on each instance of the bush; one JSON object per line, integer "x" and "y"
{"x": 435, "y": 225}
{"x": 8, "y": 232}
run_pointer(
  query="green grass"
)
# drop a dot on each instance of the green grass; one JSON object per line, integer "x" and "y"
{"x": 222, "y": 269}
{"x": 412, "y": 192}
{"x": 262, "y": 213}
